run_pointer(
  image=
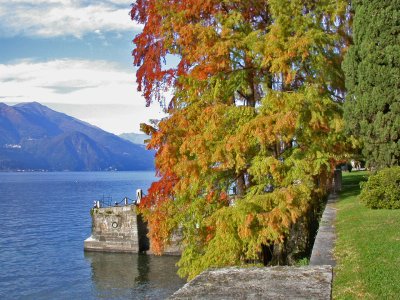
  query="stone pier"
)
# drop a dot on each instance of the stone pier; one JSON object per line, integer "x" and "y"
{"x": 117, "y": 229}
{"x": 121, "y": 229}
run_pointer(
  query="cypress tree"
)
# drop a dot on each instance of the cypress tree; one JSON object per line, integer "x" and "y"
{"x": 372, "y": 69}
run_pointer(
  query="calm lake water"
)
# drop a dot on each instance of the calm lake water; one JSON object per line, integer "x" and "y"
{"x": 45, "y": 217}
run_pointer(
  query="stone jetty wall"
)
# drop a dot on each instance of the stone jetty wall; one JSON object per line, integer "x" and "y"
{"x": 121, "y": 229}
{"x": 117, "y": 229}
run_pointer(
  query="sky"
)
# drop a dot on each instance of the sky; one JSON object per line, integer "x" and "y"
{"x": 74, "y": 57}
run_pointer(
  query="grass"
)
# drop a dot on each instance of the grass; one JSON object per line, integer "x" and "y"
{"x": 367, "y": 247}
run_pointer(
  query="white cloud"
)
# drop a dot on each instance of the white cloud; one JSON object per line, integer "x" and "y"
{"x": 109, "y": 92}
{"x": 52, "y": 18}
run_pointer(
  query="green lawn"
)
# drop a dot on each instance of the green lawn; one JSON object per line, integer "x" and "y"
{"x": 367, "y": 247}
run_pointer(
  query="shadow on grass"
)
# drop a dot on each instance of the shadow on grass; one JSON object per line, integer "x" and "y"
{"x": 349, "y": 193}
{"x": 351, "y": 184}
{"x": 354, "y": 178}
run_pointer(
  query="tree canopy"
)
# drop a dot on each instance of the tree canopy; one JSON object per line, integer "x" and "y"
{"x": 372, "y": 68}
{"x": 254, "y": 126}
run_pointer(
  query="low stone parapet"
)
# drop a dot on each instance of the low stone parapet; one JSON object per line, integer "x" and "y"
{"x": 322, "y": 252}
{"x": 281, "y": 282}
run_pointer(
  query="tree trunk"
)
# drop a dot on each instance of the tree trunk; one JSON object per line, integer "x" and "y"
{"x": 241, "y": 185}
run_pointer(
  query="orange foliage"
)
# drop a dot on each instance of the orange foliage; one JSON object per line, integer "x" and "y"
{"x": 252, "y": 108}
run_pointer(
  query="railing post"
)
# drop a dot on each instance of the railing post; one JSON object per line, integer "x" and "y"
{"x": 139, "y": 195}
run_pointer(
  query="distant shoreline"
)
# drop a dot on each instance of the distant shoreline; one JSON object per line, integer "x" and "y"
{"x": 71, "y": 171}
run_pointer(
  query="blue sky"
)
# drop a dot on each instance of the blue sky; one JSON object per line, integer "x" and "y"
{"x": 75, "y": 57}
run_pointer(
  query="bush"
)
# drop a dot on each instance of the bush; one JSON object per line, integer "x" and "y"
{"x": 382, "y": 190}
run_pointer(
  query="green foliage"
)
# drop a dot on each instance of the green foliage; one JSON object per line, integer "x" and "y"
{"x": 382, "y": 190}
{"x": 372, "y": 69}
{"x": 303, "y": 262}
{"x": 255, "y": 105}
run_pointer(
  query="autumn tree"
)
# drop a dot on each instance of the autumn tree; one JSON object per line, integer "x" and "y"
{"x": 254, "y": 127}
{"x": 372, "y": 68}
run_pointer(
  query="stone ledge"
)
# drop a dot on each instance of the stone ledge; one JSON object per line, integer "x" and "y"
{"x": 322, "y": 252}
{"x": 281, "y": 282}
{"x": 91, "y": 244}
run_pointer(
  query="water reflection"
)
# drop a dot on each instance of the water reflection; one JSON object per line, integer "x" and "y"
{"x": 133, "y": 276}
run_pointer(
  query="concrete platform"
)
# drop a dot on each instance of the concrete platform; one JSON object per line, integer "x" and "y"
{"x": 310, "y": 282}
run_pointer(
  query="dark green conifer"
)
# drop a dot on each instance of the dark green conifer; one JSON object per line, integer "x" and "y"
{"x": 372, "y": 69}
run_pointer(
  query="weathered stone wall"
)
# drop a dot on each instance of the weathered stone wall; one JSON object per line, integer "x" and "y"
{"x": 300, "y": 240}
{"x": 121, "y": 229}
{"x": 142, "y": 231}
{"x": 174, "y": 248}
{"x": 115, "y": 229}
{"x": 260, "y": 283}
{"x": 322, "y": 252}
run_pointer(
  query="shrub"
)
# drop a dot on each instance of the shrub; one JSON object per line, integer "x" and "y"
{"x": 382, "y": 190}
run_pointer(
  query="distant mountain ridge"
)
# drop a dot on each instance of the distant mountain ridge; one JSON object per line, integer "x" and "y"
{"x": 136, "y": 138}
{"x": 35, "y": 137}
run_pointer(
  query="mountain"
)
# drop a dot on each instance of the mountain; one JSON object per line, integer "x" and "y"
{"x": 136, "y": 138}
{"x": 35, "y": 137}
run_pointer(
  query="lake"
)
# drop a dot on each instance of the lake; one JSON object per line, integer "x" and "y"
{"x": 45, "y": 217}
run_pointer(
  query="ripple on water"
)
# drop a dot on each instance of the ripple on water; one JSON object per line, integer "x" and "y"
{"x": 45, "y": 219}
